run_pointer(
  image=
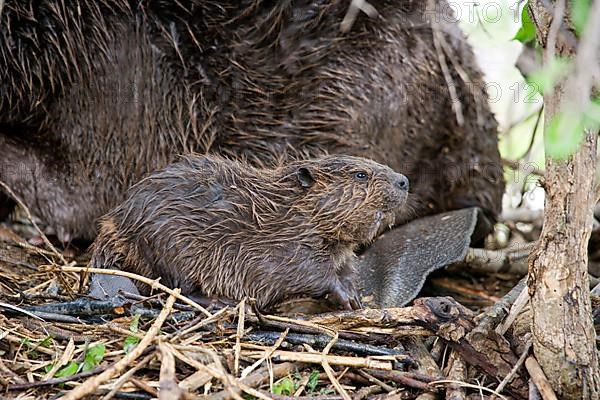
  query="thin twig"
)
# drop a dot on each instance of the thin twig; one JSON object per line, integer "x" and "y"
{"x": 381, "y": 362}
{"x": 514, "y": 370}
{"x": 169, "y": 389}
{"x": 268, "y": 353}
{"x": 206, "y": 321}
{"x": 146, "y": 388}
{"x": 515, "y": 311}
{"x": 468, "y": 385}
{"x": 509, "y": 260}
{"x": 519, "y": 166}
{"x": 56, "y": 381}
{"x": 21, "y": 310}
{"x": 456, "y": 371}
{"x": 353, "y": 9}
{"x": 329, "y": 371}
{"x": 307, "y": 324}
{"x": 437, "y": 38}
{"x": 539, "y": 378}
{"x": 127, "y": 375}
{"x": 376, "y": 381}
{"x": 492, "y": 317}
{"x": 238, "y": 336}
{"x": 538, "y": 119}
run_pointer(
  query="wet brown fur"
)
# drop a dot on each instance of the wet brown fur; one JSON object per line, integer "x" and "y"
{"x": 224, "y": 228}
{"x": 94, "y": 95}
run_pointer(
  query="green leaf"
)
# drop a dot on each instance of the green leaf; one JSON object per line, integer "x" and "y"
{"x": 326, "y": 391}
{"x": 284, "y": 387}
{"x": 580, "y": 10}
{"x": 526, "y": 33}
{"x": 313, "y": 381}
{"x": 93, "y": 356}
{"x": 565, "y": 131}
{"x": 549, "y": 75}
{"x": 135, "y": 322}
{"x": 68, "y": 370}
{"x": 30, "y": 349}
{"x": 46, "y": 342}
{"x": 129, "y": 343}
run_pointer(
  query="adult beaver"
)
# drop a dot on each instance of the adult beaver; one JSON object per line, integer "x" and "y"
{"x": 217, "y": 227}
{"x": 95, "y": 95}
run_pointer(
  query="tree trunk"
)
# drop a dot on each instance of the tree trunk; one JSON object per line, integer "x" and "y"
{"x": 563, "y": 332}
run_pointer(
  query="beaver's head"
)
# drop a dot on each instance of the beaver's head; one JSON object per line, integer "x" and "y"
{"x": 349, "y": 199}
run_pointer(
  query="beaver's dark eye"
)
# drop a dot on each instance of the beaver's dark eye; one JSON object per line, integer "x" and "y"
{"x": 361, "y": 176}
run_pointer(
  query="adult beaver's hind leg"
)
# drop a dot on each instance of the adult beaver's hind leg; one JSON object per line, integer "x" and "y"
{"x": 39, "y": 177}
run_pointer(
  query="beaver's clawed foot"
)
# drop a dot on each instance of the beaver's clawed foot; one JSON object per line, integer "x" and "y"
{"x": 344, "y": 295}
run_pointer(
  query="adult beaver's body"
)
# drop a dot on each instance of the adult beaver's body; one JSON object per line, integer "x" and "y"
{"x": 221, "y": 228}
{"x": 95, "y": 95}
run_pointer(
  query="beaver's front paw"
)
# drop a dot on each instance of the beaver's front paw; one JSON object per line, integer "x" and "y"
{"x": 344, "y": 295}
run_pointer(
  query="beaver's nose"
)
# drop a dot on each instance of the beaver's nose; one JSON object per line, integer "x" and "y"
{"x": 401, "y": 182}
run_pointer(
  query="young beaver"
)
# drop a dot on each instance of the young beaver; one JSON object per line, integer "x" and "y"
{"x": 216, "y": 227}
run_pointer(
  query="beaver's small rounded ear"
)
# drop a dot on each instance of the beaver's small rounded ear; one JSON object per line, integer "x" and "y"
{"x": 305, "y": 177}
